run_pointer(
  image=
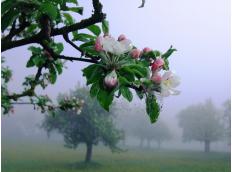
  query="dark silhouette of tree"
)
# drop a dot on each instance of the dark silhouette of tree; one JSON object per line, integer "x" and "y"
{"x": 90, "y": 126}
{"x": 201, "y": 122}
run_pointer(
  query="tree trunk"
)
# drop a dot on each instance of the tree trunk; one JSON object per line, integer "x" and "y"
{"x": 207, "y": 146}
{"x": 148, "y": 143}
{"x": 141, "y": 142}
{"x": 124, "y": 142}
{"x": 159, "y": 144}
{"x": 88, "y": 155}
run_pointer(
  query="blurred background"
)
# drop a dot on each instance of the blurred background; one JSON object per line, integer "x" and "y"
{"x": 200, "y": 31}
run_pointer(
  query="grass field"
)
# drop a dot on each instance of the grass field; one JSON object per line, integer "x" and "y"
{"x": 21, "y": 157}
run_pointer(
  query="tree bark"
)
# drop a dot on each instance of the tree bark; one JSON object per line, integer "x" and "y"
{"x": 207, "y": 146}
{"x": 88, "y": 155}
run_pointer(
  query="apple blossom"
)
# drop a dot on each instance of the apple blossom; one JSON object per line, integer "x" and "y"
{"x": 113, "y": 46}
{"x": 146, "y": 50}
{"x": 156, "y": 78}
{"x": 111, "y": 80}
{"x": 135, "y": 53}
{"x": 121, "y": 37}
{"x": 98, "y": 44}
{"x": 168, "y": 83}
{"x": 157, "y": 64}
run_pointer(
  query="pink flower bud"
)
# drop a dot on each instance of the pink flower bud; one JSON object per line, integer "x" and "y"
{"x": 156, "y": 78}
{"x": 147, "y": 49}
{"x": 111, "y": 80}
{"x": 135, "y": 53}
{"x": 121, "y": 37}
{"x": 98, "y": 44}
{"x": 157, "y": 64}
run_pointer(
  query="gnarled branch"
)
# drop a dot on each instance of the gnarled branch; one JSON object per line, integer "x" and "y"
{"x": 97, "y": 16}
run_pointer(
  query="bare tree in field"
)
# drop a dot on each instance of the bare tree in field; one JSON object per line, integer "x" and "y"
{"x": 201, "y": 123}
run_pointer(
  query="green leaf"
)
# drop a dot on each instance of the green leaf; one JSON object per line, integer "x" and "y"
{"x": 168, "y": 53}
{"x": 35, "y": 50}
{"x": 78, "y": 10}
{"x": 58, "y": 48}
{"x": 153, "y": 54}
{"x": 94, "y": 89}
{"x": 83, "y": 37}
{"x": 147, "y": 82}
{"x": 126, "y": 93}
{"x": 38, "y": 60}
{"x": 139, "y": 94}
{"x": 75, "y": 33}
{"x": 8, "y": 18}
{"x": 72, "y": 1}
{"x": 123, "y": 80}
{"x": 134, "y": 70}
{"x": 139, "y": 69}
{"x": 166, "y": 64}
{"x": 68, "y": 19}
{"x": 52, "y": 74}
{"x": 59, "y": 67}
{"x": 32, "y": 28}
{"x": 105, "y": 98}
{"x": 90, "y": 50}
{"x": 30, "y": 62}
{"x": 105, "y": 26}
{"x": 87, "y": 44}
{"x": 152, "y": 108}
{"x": 6, "y": 6}
{"x": 95, "y": 29}
{"x": 92, "y": 73}
{"x": 127, "y": 73}
{"x": 49, "y": 9}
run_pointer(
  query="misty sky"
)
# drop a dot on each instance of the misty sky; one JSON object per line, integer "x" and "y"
{"x": 199, "y": 29}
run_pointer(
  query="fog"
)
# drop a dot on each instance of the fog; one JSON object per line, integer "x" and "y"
{"x": 200, "y": 30}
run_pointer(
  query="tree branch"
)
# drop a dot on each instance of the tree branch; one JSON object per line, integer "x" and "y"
{"x": 96, "y": 17}
{"x": 30, "y": 91}
{"x": 13, "y": 32}
{"x": 76, "y": 59}
{"x": 66, "y": 38}
{"x": 56, "y": 56}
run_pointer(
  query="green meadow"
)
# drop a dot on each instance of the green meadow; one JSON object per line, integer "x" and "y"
{"x": 44, "y": 157}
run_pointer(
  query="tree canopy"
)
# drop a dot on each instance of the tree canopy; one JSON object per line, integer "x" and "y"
{"x": 90, "y": 126}
{"x": 116, "y": 66}
{"x": 201, "y": 122}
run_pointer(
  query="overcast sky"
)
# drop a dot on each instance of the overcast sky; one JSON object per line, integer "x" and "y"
{"x": 199, "y": 29}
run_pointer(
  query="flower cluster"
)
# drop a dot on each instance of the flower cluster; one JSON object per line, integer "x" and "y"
{"x": 123, "y": 67}
{"x": 114, "y": 48}
{"x": 168, "y": 81}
